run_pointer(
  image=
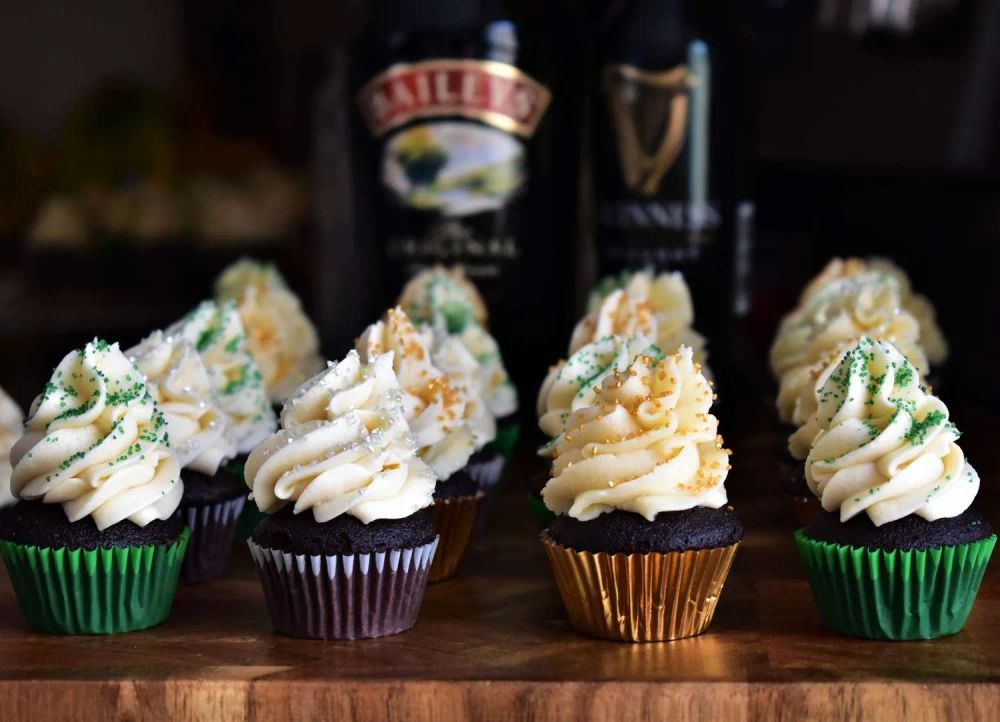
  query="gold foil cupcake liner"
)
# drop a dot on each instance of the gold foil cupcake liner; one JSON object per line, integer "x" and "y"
{"x": 454, "y": 519}
{"x": 651, "y": 597}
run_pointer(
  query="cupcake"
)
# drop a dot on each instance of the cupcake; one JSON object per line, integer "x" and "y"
{"x": 213, "y": 498}
{"x": 347, "y": 545}
{"x": 216, "y": 332}
{"x": 454, "y": 358}
{"x": 280, "y": 337}
{"x": 436, "y": 409}
{"x": 443, "y": 293}
{"x": 932, "y": 339}
{"x": 94, "y": 545}
{"x": 643, "y": 538}
{"x": 446, "y": 301}
{"x": 10, "y": 431}
{"x": 573, "y": 384}
{"x": 810, "y": 341}
{"x": 633, "y": 302}
{"x": 896, "y": 553}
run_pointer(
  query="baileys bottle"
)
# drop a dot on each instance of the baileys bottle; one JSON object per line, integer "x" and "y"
{"x": 454, "y": 163}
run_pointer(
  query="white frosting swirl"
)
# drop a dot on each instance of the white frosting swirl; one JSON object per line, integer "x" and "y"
{"x": 178, "y": 382}
{"x": 216, "y": 332}
{"x": 450, "y": 355}
{"x": 10, "y": 431}
{"x": 931, "y": 339}
{"x": 885, "y": 446}
{"x": 96, "y": 443}
{"x": 837, "y": 315}
{"x": 659, "y": 307}
{"x": 435, "y": 407}
{"x": 648, "y": 445}
{"x": 443, "y": 293}
{"x": 280, "y": 336}
{"x": 495, "y": 385}
{"x": 344, "y": 448}
{"x": 572, "y": 384}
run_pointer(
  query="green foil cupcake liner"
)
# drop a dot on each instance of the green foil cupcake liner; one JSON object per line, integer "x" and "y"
{"x": 94, "y": 591}
{"x": 899, "y": 594}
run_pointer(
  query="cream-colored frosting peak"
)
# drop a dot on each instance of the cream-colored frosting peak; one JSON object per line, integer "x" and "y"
{"x": 450, "y": 355}
{"x": 216, "y": 332}
{"x": 885, "y": 445}
{"x": 647, "y": 445}
{"x": 443, "y": 293}
{"x": 835, "y": 317}
{"x": 573, "y": 384}
{"x": 96, "y": 443}
{"x": 667, "y": 292}
{"x": 659, "y": 307}
{"x": 178, "y": 381}
{"x": 931, "y": 338}
{"x": 10, "y": 431}
{"x": 495, "y": 385}
{"x": 344, "y": 447}
{"x": 434, "y": 405}
{"x": 280, "y": 336}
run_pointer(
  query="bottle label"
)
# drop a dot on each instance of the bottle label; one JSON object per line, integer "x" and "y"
{"x": 452, "y": 137}
{"x": 455, "y": 168}
{"x": 659, "y": 210}
{"x": 493, "y": 93}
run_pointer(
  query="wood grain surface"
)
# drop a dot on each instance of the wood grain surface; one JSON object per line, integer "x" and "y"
{"x": 494, "y": 644}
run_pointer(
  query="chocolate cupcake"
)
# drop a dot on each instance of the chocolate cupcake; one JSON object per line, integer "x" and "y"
{"x": 640, "y": 302}
{"x": 897, "y": 554}
{"x": 217, "y": 334}
{"x": 931, "y": 338}
{"x": 438, "y": 413}
{"x": 446, "y": 301}
{"x": 348, "y": 544}
{"x": 197, "y": 429}
{"x": 108, "y": 557}
{"x": 831, "y": 318}
{"x": 279, "y": 335}
{"x": 445, "y": 294}
{"x": 573, "y": 384}
{"x": 644, "y": 539}
{"x": 453, "y": 357}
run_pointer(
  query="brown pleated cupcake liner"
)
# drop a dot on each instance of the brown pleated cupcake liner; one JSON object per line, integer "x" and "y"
{"x": 454, "y": 520}
{"x": 348, "y": 596}
{"x": 651, "y": 597}
{"x": 213, "y": 527}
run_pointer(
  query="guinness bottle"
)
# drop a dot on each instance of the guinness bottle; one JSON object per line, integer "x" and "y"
{"x": 670, "y": 140}
{"x": 455, "y": 163}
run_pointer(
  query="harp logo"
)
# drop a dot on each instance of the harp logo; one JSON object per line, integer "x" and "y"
{"x": 655, "y": 116}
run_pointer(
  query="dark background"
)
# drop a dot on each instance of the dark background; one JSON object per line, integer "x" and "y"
{"x": 873, "y": 139}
